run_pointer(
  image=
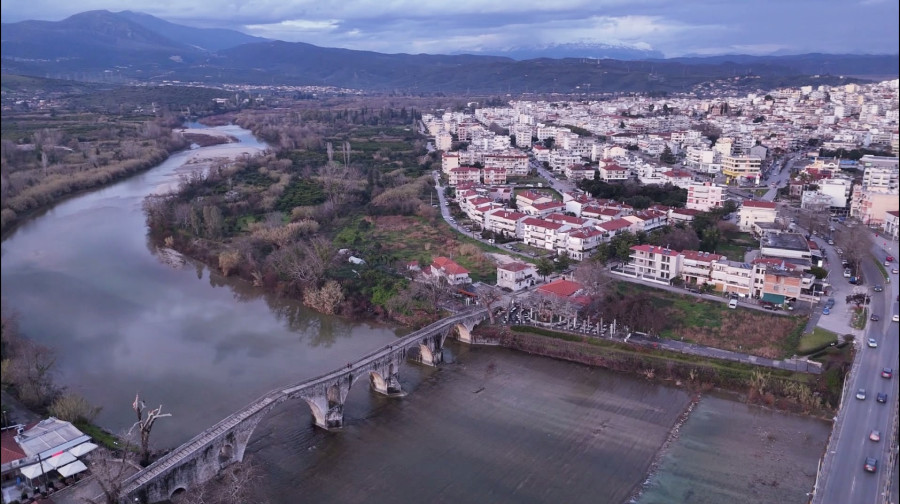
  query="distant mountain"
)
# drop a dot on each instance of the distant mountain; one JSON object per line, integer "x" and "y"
{"x": 131, "y": 47}
{"x": 809, "y": 64}
{"x": 209, "y": 39}
{"x": 577, "y": 50}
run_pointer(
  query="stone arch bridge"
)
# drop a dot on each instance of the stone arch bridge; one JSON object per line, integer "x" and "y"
{"x": 223, "y": 444}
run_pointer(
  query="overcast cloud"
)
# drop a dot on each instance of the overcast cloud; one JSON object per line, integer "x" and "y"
{"x": 676, "y": 28}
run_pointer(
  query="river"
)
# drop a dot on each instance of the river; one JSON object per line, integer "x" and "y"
{"x": 491, "y": 425}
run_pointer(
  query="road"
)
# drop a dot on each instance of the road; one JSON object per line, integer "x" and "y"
{"x": 843, "y": 478}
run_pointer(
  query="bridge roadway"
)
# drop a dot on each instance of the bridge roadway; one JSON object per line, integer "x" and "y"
{"x": 223, "y": 444}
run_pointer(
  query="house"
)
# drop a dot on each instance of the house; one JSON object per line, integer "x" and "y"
{"x": 516, "y": 275}
{"x": 446, "y": 268}
{"x": 755, "y": 211}
{"x": 25, "y": 446}
{"x": 613, "y": 173}
{"x": 562, "y": 288}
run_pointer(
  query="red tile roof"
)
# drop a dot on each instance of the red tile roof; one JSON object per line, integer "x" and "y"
{"x": 561, "y": 288}
{"x": 532, "y": 221}
{"x": 696, "y": 255}
{"x": 759, "y": 204}
{"x": 515, "y": 266}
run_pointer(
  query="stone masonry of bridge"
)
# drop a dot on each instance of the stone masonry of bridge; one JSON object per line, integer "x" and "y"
{"x": 223, "y": 444}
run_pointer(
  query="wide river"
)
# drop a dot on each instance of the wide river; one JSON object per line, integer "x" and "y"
{"x": 491, "y": 425}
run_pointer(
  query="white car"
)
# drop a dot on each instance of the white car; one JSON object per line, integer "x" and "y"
{"x": 895, "y": 318}
{"x": 872, "y": 343}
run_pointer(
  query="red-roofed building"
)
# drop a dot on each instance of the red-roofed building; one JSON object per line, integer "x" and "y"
{"x": 655, "y": 262}
{"x": 464, "y": 174}
{"x": 505, "y": 222}
{"x": 516, "y": 275}
{"x": 575, "y": 222}
{"x": 576, "y": 172}
{"x": 544, "y": 234}
{"x": 561, "y": 288}
{"x": 697, "y": 267}
{"x": 452, "y": 272}
{"x": 613, "y": 173}
{"x": 494, "y": 175}
{"x": 581, "y": 243}
{"x": 682, "y": 215}
{"x": 544, "y": 209}
{"x": 616, "y": 226}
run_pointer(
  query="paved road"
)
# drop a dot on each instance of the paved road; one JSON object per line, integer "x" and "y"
{"x": 843, "y": 478}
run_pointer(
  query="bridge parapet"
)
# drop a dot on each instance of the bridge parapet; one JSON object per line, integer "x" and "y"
{"x": 203, "y": 456}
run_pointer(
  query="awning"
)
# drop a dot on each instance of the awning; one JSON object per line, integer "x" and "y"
{"x": 73, "y": 468}
{"x": 61, "y": 459}
{"x": 82, "y": 449}
{"x": 773, "y": 298}
{"x": 34, "y": 471}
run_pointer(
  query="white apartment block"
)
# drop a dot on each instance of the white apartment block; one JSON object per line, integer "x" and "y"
{"x": 464, "y": 174}
{"x": 891, "y": 223}
{"x": 560, "y": 159}
{"x": 705, "y": 196}
{"x": 730, "y": 276}
{"x": 493, "y": 175}
{"x": 544, "y": 234}
{"x": 449, "y": 161}
{"x": 657, "y": 263}
{"x": 443, "y": 141}
{"x": 524, "y": 134}
{"x": 741, "y": 168}
{"x": 871, "y": 205}
{"x": 515, "y": 163}
{"x": 881, "y": 176}
{"x": 581, "y": 243}
{"x": 755, "y": 211}
{"x": 505, "y": 222}
{"x": 577, "y": 172}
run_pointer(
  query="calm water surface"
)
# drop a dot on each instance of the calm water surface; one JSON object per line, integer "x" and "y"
{"x": 490, "y": 426}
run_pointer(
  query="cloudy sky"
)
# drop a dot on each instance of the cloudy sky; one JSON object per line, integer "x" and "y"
{"x": 674, "y": 27}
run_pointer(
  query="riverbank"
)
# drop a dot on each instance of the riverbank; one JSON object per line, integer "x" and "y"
{"x": 780, "y": 389}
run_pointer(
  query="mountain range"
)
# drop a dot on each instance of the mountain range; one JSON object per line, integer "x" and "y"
{"x": 134, "y": 47}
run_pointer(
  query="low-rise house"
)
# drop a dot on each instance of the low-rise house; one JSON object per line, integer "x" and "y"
{"x": 446, "y": 268}
{"x": 516, "y": 275}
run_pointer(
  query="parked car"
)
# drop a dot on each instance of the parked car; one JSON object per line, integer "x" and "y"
{"x": 847, "y": 273}
{"x": 881, "y": 397}
{"x": 830, "y": 303}
{"x": 826, "y": 311}
{"x": 887, "y": 372}
{"x": 733, "y": 304}
{"x": 875, "y": 435}
{"x": 871, "y": 464}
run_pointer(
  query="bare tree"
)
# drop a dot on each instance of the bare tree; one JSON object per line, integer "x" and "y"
{"x": 236, "y": 484}
{"x": 110, "y": 470}
{"x": 856, "y": 244}
{"x": 592, "y": 275}
{"x": 487, "y": 297}
{"x": 145, "y": 425}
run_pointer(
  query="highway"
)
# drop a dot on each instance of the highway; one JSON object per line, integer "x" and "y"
{"x": 844, "y": 480}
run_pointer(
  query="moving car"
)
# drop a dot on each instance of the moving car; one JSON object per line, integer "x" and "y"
{"x": 847, "y": 273}
{"x": 887, "y": 372}
{"x": 881, "y": 397}
{"x": 861, "y": 394}
{"x": 874, "y": 318}
{"x": 895, "y": 318}
{"x": 879, "y": 288}
{"x": 872, "y": 343}
{"x": 895, "y": 271}
{"x": 875, "y": 436}
{"x": 871, "y": 464}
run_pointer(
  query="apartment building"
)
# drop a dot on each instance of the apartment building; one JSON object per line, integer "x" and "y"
{"x": 732, "y": 277}
{"x": 464, "y": 174}
{"x": 543, "y": 234}
{"x": 449, "y": 161}
{"x": 871, "y": 205}
{"x": 581, "y": 243}
{"x": 891, "y": 223}
{"x": 516, "y": 164}
{"x": 655, "y": 263}
{"x": 697, "y": 267}
{"x": 738, "y": 168}
{"x": 755, "y": 211}
{"x": 613, "y": 173}
{"x": 505, "y": 222}
{"x": 705, "y": 196}
{"x": 443, "y": 141}
{"x": 494, "y": 176}
{"x": 577, "y": 172}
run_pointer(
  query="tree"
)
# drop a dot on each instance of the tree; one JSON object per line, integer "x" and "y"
{"x": 563, "y": 262}
{"x": 145, "y": 425}
{"x": 110, "y": 470}
{"x": 667, "y": 156}
{"x": 544, "y": 267}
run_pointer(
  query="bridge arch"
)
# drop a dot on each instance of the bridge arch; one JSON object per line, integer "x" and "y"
{"x": 317, "y": 411}
{"x": 378, "y": 382}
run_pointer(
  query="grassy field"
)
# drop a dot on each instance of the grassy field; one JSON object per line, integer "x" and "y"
{"x": 736, "y": 248}
{"x": 816, "y": 339}
{"x": 691, "y": 318}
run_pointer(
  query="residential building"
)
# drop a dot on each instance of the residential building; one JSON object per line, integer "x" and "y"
{"x": 705, "y": 196}
{"x": 505, "y": 222}
{"x": 656, "y": 263}
{"x": 443, "y": 141}
{"x": 494, "y": 175}
{"x": 25, "y": 446}
{"x": 613, "y": 173}
{"x": 741, "y": 168}
{"x": 581, "y": 243}
{"x": 732, "y": 277}
{"x": 544, "y": 234}
{"x": 516, "y": 275}
{"x": 446, "y": 268}
{"x": 891, "y": 223}
{"x": 697, "y": 267}
{"x": 464, "y": 174}
{"x": 755, "y": 211}
{"x": 449, "y": 161}
{"x": 871, "y": 205}
{"x": 793, "y": 246}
